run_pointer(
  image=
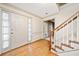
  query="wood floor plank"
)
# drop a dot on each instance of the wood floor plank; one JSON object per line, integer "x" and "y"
{"x": 38, "y": 48}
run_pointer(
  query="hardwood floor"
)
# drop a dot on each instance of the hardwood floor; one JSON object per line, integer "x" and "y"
{"x": 38, "y": 48}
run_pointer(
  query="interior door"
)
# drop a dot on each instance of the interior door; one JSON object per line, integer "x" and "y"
{"x": 6, "y": 40}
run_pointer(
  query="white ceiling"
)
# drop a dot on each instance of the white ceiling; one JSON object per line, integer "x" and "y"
{"x": 39, "y": 9}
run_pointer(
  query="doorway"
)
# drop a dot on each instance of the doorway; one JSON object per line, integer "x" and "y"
{"x": 48, "y": 27}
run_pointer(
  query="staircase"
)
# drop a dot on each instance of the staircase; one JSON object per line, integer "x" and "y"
{"x": 66, "y": 36}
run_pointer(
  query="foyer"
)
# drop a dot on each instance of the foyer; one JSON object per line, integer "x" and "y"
{"x": 38, "y": 29}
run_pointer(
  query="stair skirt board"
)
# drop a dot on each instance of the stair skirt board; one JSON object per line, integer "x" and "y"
{"x": 70, "y": 53}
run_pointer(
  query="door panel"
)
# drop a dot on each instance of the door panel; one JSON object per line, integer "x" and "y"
{"x": 18, "y": 30}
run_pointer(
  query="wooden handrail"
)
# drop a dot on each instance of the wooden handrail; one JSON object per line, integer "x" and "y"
{"x": 69, "y": 20}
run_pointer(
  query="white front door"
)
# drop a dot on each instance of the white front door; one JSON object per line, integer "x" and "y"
{"x": 18, "y": 30}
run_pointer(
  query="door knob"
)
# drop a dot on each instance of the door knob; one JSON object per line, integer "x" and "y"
{"x": 11, "y": 32}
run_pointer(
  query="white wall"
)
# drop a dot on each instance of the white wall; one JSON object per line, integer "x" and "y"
{"x": 37, "y": 28}
{"x": 45, "y": 29}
